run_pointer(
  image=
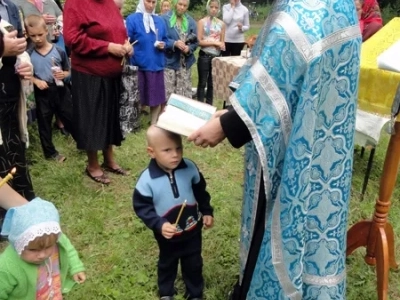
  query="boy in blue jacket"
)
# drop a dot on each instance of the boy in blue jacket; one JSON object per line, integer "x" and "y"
{"x": 171, "y": 199}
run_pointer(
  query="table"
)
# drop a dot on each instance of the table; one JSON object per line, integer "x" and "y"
{"x": 224, "y": 69}
{"x": 377, "y": 89}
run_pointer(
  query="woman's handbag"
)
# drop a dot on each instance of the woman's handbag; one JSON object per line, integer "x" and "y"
{"x": 129, "y": 100}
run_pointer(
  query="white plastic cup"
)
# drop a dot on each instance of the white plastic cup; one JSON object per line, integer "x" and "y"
{"x": 58, "y": 81}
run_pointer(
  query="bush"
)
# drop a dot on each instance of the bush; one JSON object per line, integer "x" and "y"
{"x": 130, "y": 6}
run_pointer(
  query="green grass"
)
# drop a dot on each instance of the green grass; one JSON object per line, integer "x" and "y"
{"x": 120, "y": 252}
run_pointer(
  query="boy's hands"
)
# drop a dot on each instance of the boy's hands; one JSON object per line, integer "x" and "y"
{"x": 208, "y": 222}
{"x": 168, "y": 230}
{"x": 60, "y": 75}
{"x": 41, "y": 84}
{"x": 79, "y": 277}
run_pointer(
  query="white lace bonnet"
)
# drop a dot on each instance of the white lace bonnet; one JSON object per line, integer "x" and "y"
{"x": 25, "y": 223}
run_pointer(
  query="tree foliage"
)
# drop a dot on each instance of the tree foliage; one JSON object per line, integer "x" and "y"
{"x": 130, "y": 5}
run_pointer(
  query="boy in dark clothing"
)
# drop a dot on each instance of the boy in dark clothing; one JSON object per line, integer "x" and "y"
{"x": 51, "y": 67}
{"x": 171, "y": 199}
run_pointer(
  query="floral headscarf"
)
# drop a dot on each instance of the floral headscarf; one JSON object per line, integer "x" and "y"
{"x": 173, "y": 19}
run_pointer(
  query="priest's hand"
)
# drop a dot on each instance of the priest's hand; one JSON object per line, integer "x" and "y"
{"x": 209, "y": 135}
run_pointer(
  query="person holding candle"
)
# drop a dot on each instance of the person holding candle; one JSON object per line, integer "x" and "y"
{"x": 170, "y": 197}
{"x": 149, "y": 31}
{"x": 97, "y": 38}
{"x": 181, "y": 45}
{"x": 40, "y": 262}
{"x": 10, "y": 198}
{"x": 48, "y": 9}
{"x": 15, "y": 66}
{"x": 51, "y": 68}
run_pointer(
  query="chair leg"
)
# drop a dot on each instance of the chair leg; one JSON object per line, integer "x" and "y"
{"x": 367, "y": 172}
{"x": 362, "y": 152}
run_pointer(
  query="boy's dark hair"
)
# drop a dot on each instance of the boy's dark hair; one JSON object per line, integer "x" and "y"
{"x": 34, "y": 21}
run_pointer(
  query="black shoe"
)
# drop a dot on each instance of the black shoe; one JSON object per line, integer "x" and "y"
{"x": 167, "y": 298}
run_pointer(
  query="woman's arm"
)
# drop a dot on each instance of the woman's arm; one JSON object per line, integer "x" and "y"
{"x": 10, "y": 198}
{"x": 223, "y": 29}
{"x": 246, "y": 21}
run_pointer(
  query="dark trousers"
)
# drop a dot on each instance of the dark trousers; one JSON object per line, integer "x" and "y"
{"x": 204, "y": 69}
{"x": 12, "y": 152}
{"x": 188, "y": 252}
{"x": 233, "y": 49}
{"x": 48, "y": 103}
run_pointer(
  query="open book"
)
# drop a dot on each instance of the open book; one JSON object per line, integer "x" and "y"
{"x": 390, "y": 58}
{"x": 183, "y": 115}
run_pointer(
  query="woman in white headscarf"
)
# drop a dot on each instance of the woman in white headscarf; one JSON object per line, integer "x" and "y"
{"x": 148, "y": 34}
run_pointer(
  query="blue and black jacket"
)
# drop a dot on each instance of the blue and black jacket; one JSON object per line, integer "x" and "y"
{"x": 158, "y": 198}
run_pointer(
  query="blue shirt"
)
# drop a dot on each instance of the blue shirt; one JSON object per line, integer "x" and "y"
{"x": 42, "y": 63}
{"x": 4, "y": 11}
{"x": 145, "y": 55}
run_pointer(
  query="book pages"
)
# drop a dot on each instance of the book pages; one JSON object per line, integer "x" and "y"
{"x": 184, "y": 116}
{"x": 390, "y": 59}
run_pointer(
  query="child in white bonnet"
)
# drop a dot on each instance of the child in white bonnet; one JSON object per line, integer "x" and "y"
{"x": 40, "y": 262}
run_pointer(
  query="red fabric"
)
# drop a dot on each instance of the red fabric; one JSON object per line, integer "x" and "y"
{"x": 89, "y": 26}
{"x": 370, "y": 13}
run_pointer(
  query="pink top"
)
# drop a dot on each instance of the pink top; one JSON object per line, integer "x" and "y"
{"x": 49, "y": 280}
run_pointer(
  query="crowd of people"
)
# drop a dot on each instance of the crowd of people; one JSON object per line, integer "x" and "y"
{"x": 74, "y": 58}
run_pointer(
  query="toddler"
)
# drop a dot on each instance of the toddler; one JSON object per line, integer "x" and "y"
{"x": 171, "y": 199}
{"x": 40, "y": 262}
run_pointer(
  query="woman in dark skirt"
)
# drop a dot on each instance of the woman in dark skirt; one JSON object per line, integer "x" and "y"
{"x": 97, "y": 38}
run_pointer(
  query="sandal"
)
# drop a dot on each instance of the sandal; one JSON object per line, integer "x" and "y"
{"x": 103, "y": 179}
{"x": 118, "y": 171}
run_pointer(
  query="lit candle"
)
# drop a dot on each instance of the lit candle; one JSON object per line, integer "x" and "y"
{"x": 8, "y": 177}
{"x": 180, "y": 213}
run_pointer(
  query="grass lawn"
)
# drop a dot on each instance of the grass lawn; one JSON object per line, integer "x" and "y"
{"x": 120, "y": 252}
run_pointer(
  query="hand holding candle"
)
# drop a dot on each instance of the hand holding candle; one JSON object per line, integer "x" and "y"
{"x": 129, "y": 50}
{"x": 8, "y": 177}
